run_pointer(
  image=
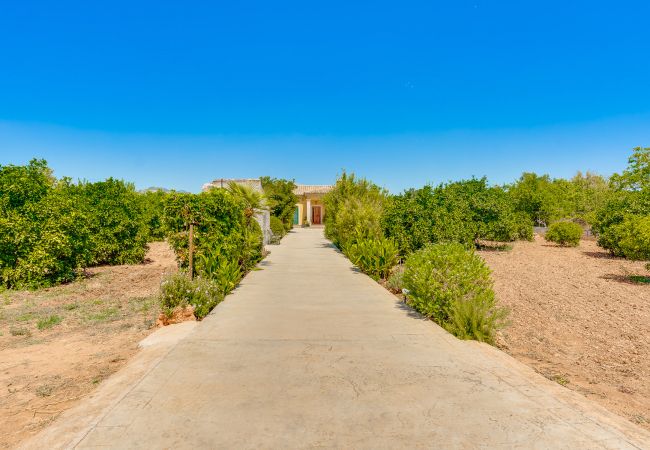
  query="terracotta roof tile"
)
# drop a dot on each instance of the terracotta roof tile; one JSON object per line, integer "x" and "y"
{"x": 302, "y": 189}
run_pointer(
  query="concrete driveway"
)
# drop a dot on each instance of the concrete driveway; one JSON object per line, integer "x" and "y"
{"x": 308, "y": 353}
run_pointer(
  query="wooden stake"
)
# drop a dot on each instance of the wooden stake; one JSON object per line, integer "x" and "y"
{"x": 191, "y": 251}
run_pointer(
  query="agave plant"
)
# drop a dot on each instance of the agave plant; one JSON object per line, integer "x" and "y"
{"x": 376, "y": 257}
{"x": 215, "y": 265}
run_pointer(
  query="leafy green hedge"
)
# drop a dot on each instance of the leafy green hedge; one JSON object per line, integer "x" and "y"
{"x": 567, "y": 234}
{"x": 227, "y": 243}
{"x": 222, "y": 230}
{"x": 153, "y": 207}
{"x": 463, "y": 212}
{"x": 277, "y": 227}
{"x": 43, "y": 240}
{"x": 115, "y": 221}
{"x": 280, "y": 199}
{"x": 452, "y": 286}
{"x": 622, "y": 223}
{"x": 354, "y": 209}
{"x": 49, "y": 228}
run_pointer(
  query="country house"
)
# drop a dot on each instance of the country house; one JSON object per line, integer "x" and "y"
{"x": 310, "y": 209}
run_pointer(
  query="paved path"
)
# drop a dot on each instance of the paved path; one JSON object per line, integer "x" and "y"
{"x": 309, "y": 353}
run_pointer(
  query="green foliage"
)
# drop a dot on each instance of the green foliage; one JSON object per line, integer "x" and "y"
{"x": 567, "y": 234}
{"x": 354, "y": 209}
{"x": 588, "y": 193}
{"x": 153, "y": 207}
{"x": 545, "y": 200}
{"x": 629, "y": 238}
{"x": 277, "y": 227}
{"x": 48, "y": 322}
{"x": 621, "y": 223}
{"x": 280, "y": 199}
{"x": 461, "y": 212}
{"x": 395, "y": 281}
{"x": 637, "y": 175}
{"x": 452, "y": 286}
{"x": 252, "y": 251}
{"x": 115, "y": 221}
{"x": 178, "y": 291}
{"x": 374, "y": 256}
{"x": 219, "y": 219}
{"x": 43, "y": 236}
{"x": 251, "y": 199}
{"x": 476, "y": 319}
{"x": 214, "y": 265}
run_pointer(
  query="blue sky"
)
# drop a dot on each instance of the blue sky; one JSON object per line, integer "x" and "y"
{"x": 177, "y": 93}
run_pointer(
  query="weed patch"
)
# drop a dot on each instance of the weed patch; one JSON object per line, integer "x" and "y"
{"x": 48, "y": 322}
{"x": 20, "y": 331}
{"x": 25, "y": 317}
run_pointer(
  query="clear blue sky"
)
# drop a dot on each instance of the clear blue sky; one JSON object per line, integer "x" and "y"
{"x": 177, "y": 93}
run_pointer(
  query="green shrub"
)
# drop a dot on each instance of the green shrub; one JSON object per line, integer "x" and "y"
{"x": 178, "y": 291}
{"x": 630, "y": 238}
{"x": 395, "y": 281}
{"x": 219, "y": 218}
{"x": 253, "y": 248}
{"x": 280, "y": 199}
{"x": 463, "y": 212}
{"x": 544, "y": 200}
{"x": 214, "y": 265}
{"x": 277, "y": 227}
{"x": 476, "y": 319}
{"x": 153, "y": 208}
{"x": 44, "y": 239}
{"x": 115, "y": 221}
{"x": 620, "y": 223}
{"x": 440, "y": 277}
{"x": 375, "y": 257}
{"x": 354, "y": 209}
{"x": 567, "y": 234}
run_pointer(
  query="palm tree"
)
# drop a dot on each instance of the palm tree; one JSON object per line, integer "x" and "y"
{"x": 253, "y": 200}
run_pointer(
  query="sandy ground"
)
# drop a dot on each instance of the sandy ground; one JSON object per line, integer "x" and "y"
{"x": 43, "y": 372}
{"x": 578, "y": 319}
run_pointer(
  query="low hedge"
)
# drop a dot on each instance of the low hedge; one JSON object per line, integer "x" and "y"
{"x": 567, "y": 234}
{"x": 452, "y": 286}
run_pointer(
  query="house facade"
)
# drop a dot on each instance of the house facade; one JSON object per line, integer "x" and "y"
{"x": 310, "y": 208}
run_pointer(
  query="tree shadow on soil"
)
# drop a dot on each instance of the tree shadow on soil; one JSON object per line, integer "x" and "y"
{"x": 601, "y": 254}
{"x": 627, "y": 279}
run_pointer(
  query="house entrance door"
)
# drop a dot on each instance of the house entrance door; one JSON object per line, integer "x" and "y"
{"x": 316, "y": 219}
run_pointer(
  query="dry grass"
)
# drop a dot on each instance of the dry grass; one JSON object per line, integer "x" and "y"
{"x": 58, "y": 344}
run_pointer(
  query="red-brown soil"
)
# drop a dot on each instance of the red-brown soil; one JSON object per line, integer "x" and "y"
{"x": 577, "y": 318}
{"x": 102, "y": 319}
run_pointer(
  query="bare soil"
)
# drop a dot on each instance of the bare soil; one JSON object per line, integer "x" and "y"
{"x": 94, "y": 327}
{"x": 579, "y": 319}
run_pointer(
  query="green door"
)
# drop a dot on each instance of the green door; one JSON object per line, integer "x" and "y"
{"x": 296, "y": 215}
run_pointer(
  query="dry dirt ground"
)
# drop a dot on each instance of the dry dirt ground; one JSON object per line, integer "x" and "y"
{"x": 98, "y": 322}
{"x": 578, "y": 319}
